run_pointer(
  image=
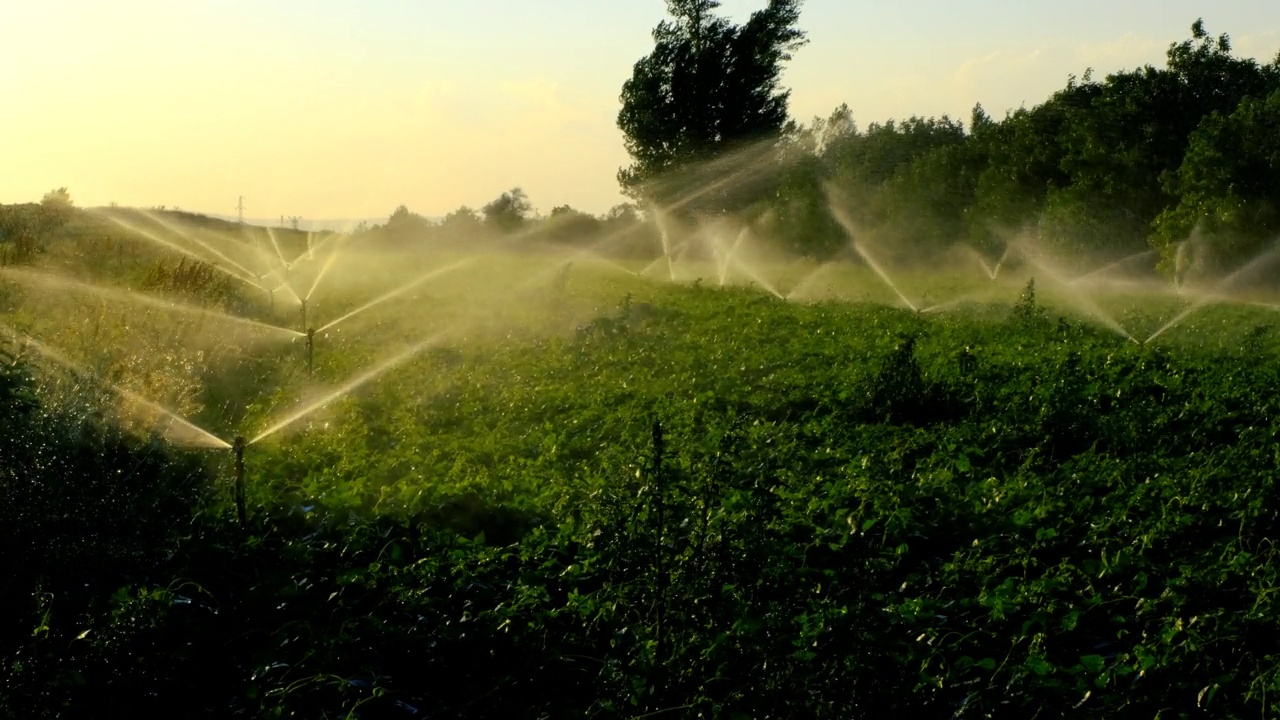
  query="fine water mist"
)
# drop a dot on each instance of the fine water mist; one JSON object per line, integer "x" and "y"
{"x": 423, "y": 278}
{"x": 347, "y": 387}
{"x": 186, "y": 434}
{"x": 54, "y": 282}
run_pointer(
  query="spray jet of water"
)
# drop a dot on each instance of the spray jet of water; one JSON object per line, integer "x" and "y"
{"x": 1178, "y": 259}
{"x": 190, "y": 234}
{"x": 197, "y": 436}
{"x": 992, "y": 270}
{"x": 730, "y": 260}
{"x": 282, "y": 266}
{"x": 430, "y": 275}
{"x": 186, "y": 236}
{"x": 1084, "y": 303}
{"x": 1216, "y": 295}
{"x": 756, "y": 277}
{"x": 282, "y": 285}
{"x": 847, "y": 224}
{"x": 995, "y": 272}
{"x": 271, "y": 235}
{"x": 252, "y": 280}
{"x": 748, "y": 162}
{"x": 660, "y": 219}
{"x": 730, "y": 255}
{"x": 589, "y": 254}
{"x": 1111, "y": 266}
{"x": 883, "y": 275}
{"x": 333, "y": 256}
{"x": 317, "y": 247}
{"x": 746, "y": 158}
{"x": 938, "y": 307}
{"x": 349, "y": 386}
{"x": 613, "y": 264}
{"x": 117, "y": 294}
{"x": 652, "y": 265}
{"x": 808, "y": 280}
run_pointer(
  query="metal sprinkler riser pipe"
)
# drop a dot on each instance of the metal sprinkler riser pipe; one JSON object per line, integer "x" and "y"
{"x": 311, "y": 350}
{"x": 237, "y": 452}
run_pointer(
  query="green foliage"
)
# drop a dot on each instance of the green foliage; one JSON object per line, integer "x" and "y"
{"x": 799, "y": 219}
{"x": 707, "y": 502}
{"x": 569, "y": 226}
{"x": 1027, "y": 311}
{"x": 1226, "y": 186}
{"x": 405, "y": 223}
{"x": 192, "y": 278}
{"x": 844, "y": 511}
{"x": 508, "y": 211}
{"x": 26, "y": 229}
{"x": 1101, "y": 168}
{"x": 707, "y": 86}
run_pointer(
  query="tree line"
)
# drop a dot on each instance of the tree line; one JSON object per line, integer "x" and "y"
{"x": 1144, "y": 158}
{"x": 1141, "y": 159}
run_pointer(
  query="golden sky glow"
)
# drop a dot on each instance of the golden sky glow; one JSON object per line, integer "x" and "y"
{"x": 336, "y": 109}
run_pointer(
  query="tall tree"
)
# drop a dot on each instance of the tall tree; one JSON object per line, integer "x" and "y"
{"x": 708, "y": 86}
{"x": 509, "y": 210}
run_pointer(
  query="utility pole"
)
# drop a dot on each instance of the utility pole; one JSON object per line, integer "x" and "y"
{"x": 240, "y": 209}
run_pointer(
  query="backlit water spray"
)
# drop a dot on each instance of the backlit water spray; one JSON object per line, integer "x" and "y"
{"x": 347, "y": 387}
{"x": 191, "y": 238}
{"x": 194, "y": 436}
{"x": 400, "y": 291}
{"x": 131, "y": 296}
{"x": 1084, "y": 303}
{"x": 847, "y": 224}
{"x": 1206, "y": 299}
{"x": 139, "y": 232}
{"x": 333, "y": 256}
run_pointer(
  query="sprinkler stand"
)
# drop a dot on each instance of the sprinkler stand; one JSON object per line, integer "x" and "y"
{"x": 311, "y": 350}
{"x": 237, "y": 451}
{"x": 304, "y": 314}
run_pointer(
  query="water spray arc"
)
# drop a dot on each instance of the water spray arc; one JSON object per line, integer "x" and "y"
{"x": 139, "y": 232}
{"x": 349, "y": 386}
{"x": 198, "y": 436}
{"x": 1216, "y": 295}
{"x": 398, "y": 291}
{"x": 140, "y": 298}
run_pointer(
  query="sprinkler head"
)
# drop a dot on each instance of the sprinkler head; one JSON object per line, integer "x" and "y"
{"x": 238, "y": 445}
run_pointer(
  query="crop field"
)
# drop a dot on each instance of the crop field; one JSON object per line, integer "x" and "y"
{"x": 517, "y": 480}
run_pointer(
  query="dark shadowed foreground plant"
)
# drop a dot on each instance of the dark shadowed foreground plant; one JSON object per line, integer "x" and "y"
{"x": 84, "y": 510}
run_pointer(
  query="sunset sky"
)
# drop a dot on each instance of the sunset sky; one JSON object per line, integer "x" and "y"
{"x": 348, "y": 108}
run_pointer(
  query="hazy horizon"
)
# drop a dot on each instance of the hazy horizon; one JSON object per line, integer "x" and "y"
{"x": 338, "y": 110}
